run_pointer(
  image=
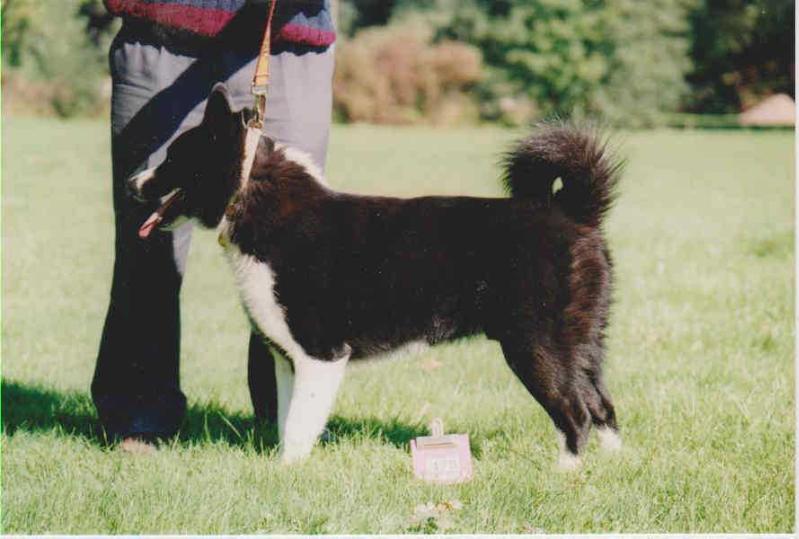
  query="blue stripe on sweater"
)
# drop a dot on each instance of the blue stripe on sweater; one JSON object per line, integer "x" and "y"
{"x": 222, "y": 5}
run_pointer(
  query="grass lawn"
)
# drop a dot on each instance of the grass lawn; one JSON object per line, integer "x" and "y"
{"x": 700, "y": 363}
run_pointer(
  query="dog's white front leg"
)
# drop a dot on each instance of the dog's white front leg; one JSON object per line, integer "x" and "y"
{"x": 316, "y": 384}
{"x": 284, "y": 375}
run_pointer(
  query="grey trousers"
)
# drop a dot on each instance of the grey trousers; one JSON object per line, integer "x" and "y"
{"x": 157, "y": 94}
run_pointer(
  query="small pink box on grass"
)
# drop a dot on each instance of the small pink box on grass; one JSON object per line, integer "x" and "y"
{"x": 442, "y": 458}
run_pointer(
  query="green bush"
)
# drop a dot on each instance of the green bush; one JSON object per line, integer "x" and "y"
{"x": 396, "y": 75}
{"x": 648, "y": 46}
{"x": 622, "y": 60}
{"x": 626, "y": 61}
{"x": 743, "y": 50}
{"x": 51, "y": 63}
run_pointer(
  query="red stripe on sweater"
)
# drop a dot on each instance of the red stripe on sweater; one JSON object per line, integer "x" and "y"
{"x": 209, "y": 22}
{"x": 204, "y": 21}
{"x": 297, "y": 33}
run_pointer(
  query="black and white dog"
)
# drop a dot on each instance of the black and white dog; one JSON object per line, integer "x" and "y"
{"x": 328, "y": 276}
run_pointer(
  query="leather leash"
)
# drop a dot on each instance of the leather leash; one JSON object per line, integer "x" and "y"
{"x": 260, "y": 80}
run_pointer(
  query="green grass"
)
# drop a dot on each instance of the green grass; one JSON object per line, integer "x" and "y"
{"x": 700, "y": 360}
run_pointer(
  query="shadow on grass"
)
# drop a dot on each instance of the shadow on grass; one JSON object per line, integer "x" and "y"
{"x": 394, "y": 431}
{"x": 32, "y": 408}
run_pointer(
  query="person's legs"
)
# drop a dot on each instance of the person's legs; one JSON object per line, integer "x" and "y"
{"x": 298, "y": 113}
{"x": 158, "y": 94}
{"x": 136, "y": 382}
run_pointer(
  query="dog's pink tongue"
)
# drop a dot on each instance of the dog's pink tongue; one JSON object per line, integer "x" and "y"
{"x": 149, "y": 225}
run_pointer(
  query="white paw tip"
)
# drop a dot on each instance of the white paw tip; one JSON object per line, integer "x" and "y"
{"x": 568, "y": 462}
{"x": 293, "y": 455}
{"x": 609, "y": 439}
{"x": 290, "y": 459}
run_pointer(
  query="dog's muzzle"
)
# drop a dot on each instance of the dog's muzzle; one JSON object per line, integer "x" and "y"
{"x": 168, "y": 211}
{"x": 172, "y": 205}
{"x": 135, "y": 183}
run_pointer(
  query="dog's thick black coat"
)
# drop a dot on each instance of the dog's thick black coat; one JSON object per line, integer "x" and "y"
{"x": 367, "y": 274}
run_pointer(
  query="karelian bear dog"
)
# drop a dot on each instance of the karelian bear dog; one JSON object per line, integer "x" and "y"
{"x": 327, "y": 276}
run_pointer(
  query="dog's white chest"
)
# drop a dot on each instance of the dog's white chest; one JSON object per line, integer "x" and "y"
{"x": 255, "y": 281}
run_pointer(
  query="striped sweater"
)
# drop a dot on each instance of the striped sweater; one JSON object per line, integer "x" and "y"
{"x": 302, "y": 22}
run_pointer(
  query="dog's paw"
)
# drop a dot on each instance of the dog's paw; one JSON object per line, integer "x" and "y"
{"x": 136, "y": 446}
{"x": 294, "y": 453}
{"x": 287, "y": 459}
{"x": 609, "y": 439}
{"x": 568, "y": 462}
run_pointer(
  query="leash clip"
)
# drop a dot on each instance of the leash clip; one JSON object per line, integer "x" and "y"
{"x": 257, "y": 121}
{"x": 260, "y": 79}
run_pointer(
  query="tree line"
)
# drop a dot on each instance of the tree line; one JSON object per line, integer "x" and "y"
{"x": 446, "y": 61}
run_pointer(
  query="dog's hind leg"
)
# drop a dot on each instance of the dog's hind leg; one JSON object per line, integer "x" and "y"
{"x": 596, "y": 395}
{"x": 316, "y": 383}
{"x": 604, "y": 415}
{"x": 551, "y": 379}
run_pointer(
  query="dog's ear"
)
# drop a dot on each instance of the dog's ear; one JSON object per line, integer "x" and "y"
{"x": 218, "y": 113}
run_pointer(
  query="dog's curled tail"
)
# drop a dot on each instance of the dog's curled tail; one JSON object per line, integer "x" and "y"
{"x": 579, "y": 157}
